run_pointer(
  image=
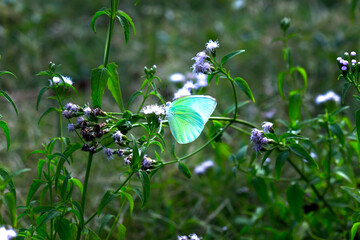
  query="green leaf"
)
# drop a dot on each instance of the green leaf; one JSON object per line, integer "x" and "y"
{"x": 8, "y": 98}
{"x": 63, "y": 228}
{"x": 6, "y": 130}
{"x": 130, "y": 200}
{"x": 92, "y": 235}
{"x": 229, "y": 56}
{"x": 48, "y": 216}
{"x": 122, "y": 232}
{"x": 295, "y": 196}
{"x": 346, "y": 172}
{"x": 184, "y": 169}
{"x": 335, "y": 129}
{"x": 302, "y": 72}
{"x": 300, "y": 151}
{"x": 352, "y": 192}
{"x": 357, "y": 121}
{"x": 281, "y": 77}
{"x": 10, "y": 204}
{"x": 261, "y": 189}
{"x": 337, "y": 111}
{"x": 114, "y": 85}
{"x": 125, "y": 25}
{"x": 33, "y": 188}
{"x": 7, "y": 72}
{"x": 242, "y": 84}
{"x": 354, "y": 230}
{"x": 344, "y": 91}
{"x": 99, "y": 79}
{"x": 64, "y": 187}
{"x": 145, "y": 181}
{"x": 41, "y": 93}
{"x": 107, "y": 198}
{"x": 49, "y": 110}
{"x": 133, "y": 97}
{"x": 7, "y": 179}
{"x": 280, "y": 162}
{"x": 95, "y": 17}
{"x": 295, "y": 100}
{"x": 104, "y": 221}
{"x": 291, "y": 135}
{"x": 78, "y": 184}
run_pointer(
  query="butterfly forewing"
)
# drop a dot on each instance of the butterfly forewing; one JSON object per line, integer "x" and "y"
{"x": 188, "y": 115}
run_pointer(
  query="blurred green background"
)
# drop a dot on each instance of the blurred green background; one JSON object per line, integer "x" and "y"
{"x": 169, "y": 34}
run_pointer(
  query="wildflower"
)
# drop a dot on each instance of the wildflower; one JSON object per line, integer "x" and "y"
{"x": 68, "y": 80}
{"x": 258, "y": 139}
{"x": 201, "y": 80}
{"x": 201, "y": 169}
{"x": 201, "y": 65}
{"x": 154, "y": 109}
{"x": 72, "y": 107}
{"x": 193, "y": 237}
{"x": 182, "y": 92}
{"x": 81, "y": 122}
{"x": 127, "y": 159}
{"x": 182, "y": 237}
{"x": 71, "y": 127}
{"x": 120, "y": 152}
{"x": 353, "y": 54}
{"x": 346, "y": 54}
{"x": 57, "y": 81}
{"x": 147, "y": 162}
{"x": 117, "y": 136}
{"x": 67, "y": 114}
{"x": 211, "y": 45}
{"x": 313, "y": 155}
{"x": 177, "y": 77}
{"x": 353, "y": 61}
{"x": 87, "y": 111}
{"x": 189, "y": 85}
{"x": 327, "y": 97}
{"x": 98, "y": 112}
{"x": 108, "y": 153}
{"x": 268, "y": 127}
{"x": 7, "y": 234}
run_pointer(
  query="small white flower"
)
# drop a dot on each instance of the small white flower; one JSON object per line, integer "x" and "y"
{"x": 327, "y": 97}
{"x": 177, "y": 77}
{"x": 211, "y": 45}
{"x": 68, "y": 80}
{"x": 268, "y": 127}
{"x": 6, "y": 234}
{"x": 55, "y": 81}
{"x": 182, "y": 92}
{"x": 189, "y": 85}
{"x": 194, "y": 237}
{"x": 58, "y": 81}
{"x": 313, "y": 155}
{"x": 182, "y": 237}
{"x": 156, "y": 109}
{"x": 201, "y": 169}
{"x": 201, "y": 80}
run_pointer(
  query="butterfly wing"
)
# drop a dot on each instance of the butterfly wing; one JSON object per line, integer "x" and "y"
{"x": 188, "y": 115}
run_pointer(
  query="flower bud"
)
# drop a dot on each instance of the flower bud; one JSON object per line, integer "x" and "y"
{"x": 285, "y": 23}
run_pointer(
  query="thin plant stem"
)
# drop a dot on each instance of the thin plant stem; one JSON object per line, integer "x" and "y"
{"x": 115, "y": 221}
{"x": 317, "y": 193}
{"x": 328, "y": 161}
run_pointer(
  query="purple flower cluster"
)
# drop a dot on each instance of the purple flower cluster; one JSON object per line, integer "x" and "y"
{"x": 258, "y": 139}
{"x": 348, "y": 63}
{"x": 201, "y": 64}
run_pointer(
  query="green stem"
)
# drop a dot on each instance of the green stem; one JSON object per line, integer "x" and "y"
{"x": 109, "y": 35}
{"x": 83, "y": 197}
{"x": 115, "y": 222}
{"x": 51, "y": 199}
{"x": 319, "y": 196}
{"x": 233, "y": 120}
{"x": 329, "y": 161}
{"x": 145, "y": 97}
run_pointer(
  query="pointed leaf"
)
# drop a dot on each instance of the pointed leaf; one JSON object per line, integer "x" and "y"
{"x": 130, "y": 200}
{"x": 229, "y": 56}
{"x": 354, "y": 230}
{"x": 114, "y": 85}
{"x": 300, "y": 151}
{"x": 41, "y": 93}
{"x": 125, "y": 24}
{"x": 99, "y": 79}
{"x": 355, "y": 193}
{"x": 242, "y": 84}
{"x": 335, "y": 129}
{"x": 280, "y": 161}
{"x": 122, "y": 232}
{"x": 33, "y": 188}
{"x": 49, "y": 110}
{"x": 294, "y": 195}
{"x": 184, "y": 169}
{"x": 261, "y": 189}
{"x": 107, "y": 198}
{"x": 145, "y": 181}
{"x": 6, "y": 130}
{"x": 95, "y": 17}
{"x": 8, "y": 98}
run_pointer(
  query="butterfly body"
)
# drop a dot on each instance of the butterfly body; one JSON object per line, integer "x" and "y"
{"x": 188, "y": 115}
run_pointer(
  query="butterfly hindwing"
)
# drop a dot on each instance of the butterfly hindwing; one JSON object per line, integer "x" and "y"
{"x": 187, "y": 116}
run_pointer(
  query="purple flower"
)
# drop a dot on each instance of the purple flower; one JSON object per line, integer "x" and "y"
{"x": 67, "y": 114}
{"x": 72, "y": 107}
{"x": 258, "y": 139}
{"x": 117, "y": 136}
{"x": 201, "y": 65}
{"x": 201, "y": 169}
{"x": 120, "y": 152}
{"x": 268, "y": 127}
{"x": 71, "y": 127}
{"x": 108, "y": 153}
{"x": 343, "y": 68}
{"x": 353, "y": 54}
{"x": 147, "y": 162}
{"x": 127, "y": 159}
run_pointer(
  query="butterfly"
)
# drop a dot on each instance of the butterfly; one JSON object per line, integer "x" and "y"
{"x": 188, "y": 115}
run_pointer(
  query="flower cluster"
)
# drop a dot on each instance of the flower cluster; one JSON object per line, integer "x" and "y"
{"x": 329, "y": 96}
{"x": 201, "y": 169}
{"x": 212, "y": 45}
{"x": 190, "y": 237}
{"x": 268, "y": 127}
{"x": 7, "y": 234}
{"x": 201, "y": 64}
{"x": 348, "y": 64}
{"x": 56, "y": 81}
{"x": 258, "y": 139}
{"x": 189, "y": 85}
{"x": 154, "y": 109}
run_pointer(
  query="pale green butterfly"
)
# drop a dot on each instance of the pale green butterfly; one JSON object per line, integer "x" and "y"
{"x": 188, "y": 115}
